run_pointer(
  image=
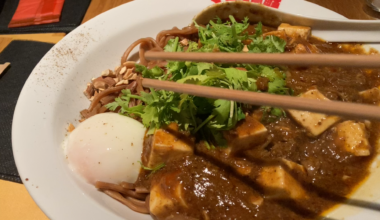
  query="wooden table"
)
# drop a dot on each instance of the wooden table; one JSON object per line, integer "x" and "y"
{"x": 15, "y": 202}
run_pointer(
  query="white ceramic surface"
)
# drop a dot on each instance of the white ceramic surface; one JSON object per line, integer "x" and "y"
{"x": 331, "y": 30}
{"x": 52, "y": 97}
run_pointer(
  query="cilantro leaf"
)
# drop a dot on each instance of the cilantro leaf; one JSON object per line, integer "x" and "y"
{"x": 259, "y": 29}
{"x": 221, "y": 112}
{"x": 154, "y": 169}
{"x": 240, "y": 114}
{"x": 173, "y": 45}
{"x": 174, "y": 66}
{"x": 271, "y": 114}
{"x": 278, "y": 112}
{"x": 148, "y": 98}
{"x": 192, "y": 70}
{"x": 155, "y": 72}
{"x": 197, "y": 79}
{"x": 278, "y": 43}
{"x": 225, "y": 37}
{"x": 271, "y": 44}
{"x": 112, "y": 106}
{"x": 269, "y": 73}
{"x": 252, "y": 85}
{"x": 238, "y": 78}
{"x": 219, "y": 139}
{"x": 135, "y": 110}
{"x": 193, "y": 46}
{"x": 203, "y": 66}
{"x": 122, "y": 101}
{"x": 150, "y": 116}
{"x": 277, "y": 86}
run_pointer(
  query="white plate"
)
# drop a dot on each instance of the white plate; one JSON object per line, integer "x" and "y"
{"x": 52, "y": 97}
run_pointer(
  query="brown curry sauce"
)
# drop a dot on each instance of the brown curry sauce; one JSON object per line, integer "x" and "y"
{"x": 214, "y": 187}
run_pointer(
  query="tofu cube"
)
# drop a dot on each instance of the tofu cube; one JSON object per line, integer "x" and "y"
{"x": 166, "y": 194}
{"x": 290, "y": 165}
{"x": 371, "y": 96}
{"x": 168, "y": 143}
{"x": 222, "y": 156}
{"x": 247, "y": 134}
{"x": 279, "y": 184}
{"x": 314, "y": 123}
{"x": 295, "y": 31}
{"x": 351, "y": 137}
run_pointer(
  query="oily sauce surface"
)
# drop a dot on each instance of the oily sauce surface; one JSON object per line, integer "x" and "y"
{"x": 220, "y": 187}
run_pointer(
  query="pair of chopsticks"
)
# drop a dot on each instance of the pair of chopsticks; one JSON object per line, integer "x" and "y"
{"x": 352, "y": 110}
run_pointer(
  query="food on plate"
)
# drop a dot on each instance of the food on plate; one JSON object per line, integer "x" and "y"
{"x": 106, "y": 147}
{"x": 217, "y": 159}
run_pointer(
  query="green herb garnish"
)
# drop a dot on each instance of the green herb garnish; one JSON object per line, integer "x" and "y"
{"x": 153, "y": 170}
{"x": 271, "y": 114}
{"x": 205, "y": 117}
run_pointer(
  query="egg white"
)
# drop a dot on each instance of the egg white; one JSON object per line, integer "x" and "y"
{"x": 106, "y": 147}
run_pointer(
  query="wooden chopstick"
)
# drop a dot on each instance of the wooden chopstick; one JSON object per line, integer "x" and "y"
{"x": 352, "y": 110}
{"x": 341, "y": 60}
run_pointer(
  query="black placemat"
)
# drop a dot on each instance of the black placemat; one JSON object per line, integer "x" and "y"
{"x": 23, "y": 56}
{"x": 73, "y": 12}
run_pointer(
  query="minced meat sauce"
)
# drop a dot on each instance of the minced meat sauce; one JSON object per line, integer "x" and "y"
{"x": 216, "y": 186}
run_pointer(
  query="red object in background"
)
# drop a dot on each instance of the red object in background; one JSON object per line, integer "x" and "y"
{"x": 272, "y": 3}
{"x": 33, "y": 12}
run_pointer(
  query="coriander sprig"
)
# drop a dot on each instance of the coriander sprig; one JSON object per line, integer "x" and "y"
{"x": 154, "y": 169}
{"x": 204, "y": 117}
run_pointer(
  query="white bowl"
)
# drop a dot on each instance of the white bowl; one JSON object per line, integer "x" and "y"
{"x": 52, "y": 97}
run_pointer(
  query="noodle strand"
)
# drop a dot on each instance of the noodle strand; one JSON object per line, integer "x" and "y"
{"x": 106, "y": 92}
{"x": 126, "y": 201}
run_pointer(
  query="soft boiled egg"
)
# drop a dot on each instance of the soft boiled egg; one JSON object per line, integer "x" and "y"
{"x": 106, "y": 147}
